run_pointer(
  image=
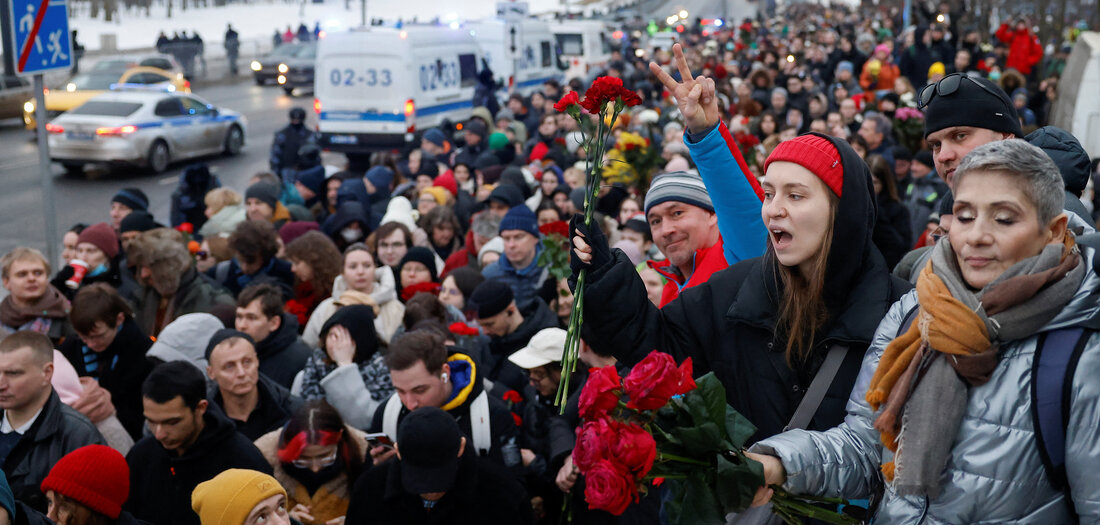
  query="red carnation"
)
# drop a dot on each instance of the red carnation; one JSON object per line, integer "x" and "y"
{"x": 428, "y": 287}
{"x": 518, "y": 420}
{"x": 600, "y": 393}
{"x": 569, "y": 99}
{"x": 608, "y": 89}
{"x": 186, "y": 227}
{"x": 512, "y": 396}
{"x": 608, "y": 487}
{"x": 654, "y": 380}
{"x": 556, "y": 227}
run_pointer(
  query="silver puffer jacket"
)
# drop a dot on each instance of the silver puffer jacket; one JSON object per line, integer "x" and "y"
{"x": 994, "y": 474}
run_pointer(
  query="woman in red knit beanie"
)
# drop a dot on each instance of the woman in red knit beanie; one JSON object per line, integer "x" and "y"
{"x": 88, "y": 487}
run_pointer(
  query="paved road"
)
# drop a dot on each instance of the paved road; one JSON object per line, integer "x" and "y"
{"x": 88, "y": 199}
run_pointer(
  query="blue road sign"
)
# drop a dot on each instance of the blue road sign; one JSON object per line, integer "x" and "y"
{"x": 42, "y": 41}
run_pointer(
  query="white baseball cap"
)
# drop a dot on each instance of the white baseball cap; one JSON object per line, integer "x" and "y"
{"x": 544, "y": 348}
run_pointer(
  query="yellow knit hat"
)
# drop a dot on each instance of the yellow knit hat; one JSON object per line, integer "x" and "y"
{"x": 437, "y": 193}
{"x": 229, "y": 498}
{"x": 936, "y": 68}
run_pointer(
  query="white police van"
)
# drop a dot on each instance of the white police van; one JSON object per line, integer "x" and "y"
{"x": 583, "y": 45}
{"x": 535, "y": 60}
{"x": 374, "y": 87}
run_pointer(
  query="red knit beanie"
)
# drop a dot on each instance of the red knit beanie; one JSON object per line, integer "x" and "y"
{"x": 102, "y": 236}
{"x": 814, "y": 153}
{"x": 95, "y": 476}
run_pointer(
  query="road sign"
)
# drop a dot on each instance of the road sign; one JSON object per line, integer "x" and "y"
{"x": 42, "y": 41}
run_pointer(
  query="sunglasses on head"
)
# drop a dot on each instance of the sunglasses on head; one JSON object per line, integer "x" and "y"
{"x": 947, "y": 86}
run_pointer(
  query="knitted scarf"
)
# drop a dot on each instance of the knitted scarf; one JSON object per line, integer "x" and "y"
{"x": 51, "y": 305}
{"x": 922, "y": 378}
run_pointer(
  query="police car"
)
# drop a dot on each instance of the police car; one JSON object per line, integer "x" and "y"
{"x": 145, "y": 128}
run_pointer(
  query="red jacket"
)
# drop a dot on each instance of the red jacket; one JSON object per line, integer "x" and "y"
{"x": 707, "y": 262}
{"x": 460, "y": 258}
{"x": 1024, "y": 50}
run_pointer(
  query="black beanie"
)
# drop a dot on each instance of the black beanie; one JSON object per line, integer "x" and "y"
{"x": 421, "y": 255}
{"x": 971, "y": 105}
{"x": 132, "y": 198}
{"x": 947, "y": 204}
{"x": 490, "y": 298}
{"x": 925, "y": 157}
{"x": 263, "y": 191}
{"x": 222, "y": 335}
{"x": 138, "y": 221}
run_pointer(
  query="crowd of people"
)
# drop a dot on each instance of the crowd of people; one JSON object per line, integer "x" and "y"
{"x": 328, "y": 346}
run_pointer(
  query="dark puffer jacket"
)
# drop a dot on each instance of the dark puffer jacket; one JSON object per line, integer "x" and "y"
{"x": 282, "y": 353}
{"x": 728, "y": 325}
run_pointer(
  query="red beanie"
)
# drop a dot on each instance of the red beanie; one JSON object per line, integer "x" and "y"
{"x": 447, "y": 182}
{"x": 102, "y": 236}
{"x": 95, "y": 476}
{"x": 814, "y": 153}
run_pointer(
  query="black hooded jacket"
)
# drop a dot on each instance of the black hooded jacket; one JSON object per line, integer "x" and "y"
{"x": 121, "y": 369}
{"x": 728, "y": 324}
{"x": 504, "y": 374}
{"x": 1072, "y": 160}
{"x": 274, "y": 407}
{"x": 161, "y": 482}
{"x": 282, "y": 353}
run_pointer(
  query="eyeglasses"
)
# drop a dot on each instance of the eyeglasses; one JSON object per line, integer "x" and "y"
{"x": 947, "y": 86}
{"x": 323, "y": 461}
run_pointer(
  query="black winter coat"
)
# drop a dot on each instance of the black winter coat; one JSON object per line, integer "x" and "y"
{"x": 121, "y": 370}
{"x": 483, "y": 493}
{"x": 892, "y": 231}
{"x": 161, "y": 482}
{"x": 728, "y": 324}
{"x": 283, "y": 354}
{"x": 274, "y": 407}
{"x": 57, "y": 431}
{"x": 503, "y": 373}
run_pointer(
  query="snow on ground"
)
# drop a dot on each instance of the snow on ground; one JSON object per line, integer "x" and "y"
{"x": 256, "y": 23}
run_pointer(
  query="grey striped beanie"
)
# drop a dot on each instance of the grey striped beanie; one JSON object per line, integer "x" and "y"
{"x": 679, "y": 186}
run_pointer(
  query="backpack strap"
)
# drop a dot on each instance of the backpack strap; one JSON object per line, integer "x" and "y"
{"x": 479, "y": 424}
{"x": 390, "y": 415}
{"x": 1052, "y": 371}
{"x": 818, "y": 388}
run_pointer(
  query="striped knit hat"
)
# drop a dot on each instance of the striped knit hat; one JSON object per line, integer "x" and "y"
{"x": 679, "y": 186}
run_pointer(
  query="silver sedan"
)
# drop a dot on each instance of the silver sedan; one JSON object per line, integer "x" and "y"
{"x": 149, "y": 129}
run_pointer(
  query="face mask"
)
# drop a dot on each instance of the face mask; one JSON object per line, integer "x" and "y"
{"x": 994, "y": 75}
{"x": 102, "y": 268}
{"x": 313, "y": 480}
{"x": 351, "y": 234}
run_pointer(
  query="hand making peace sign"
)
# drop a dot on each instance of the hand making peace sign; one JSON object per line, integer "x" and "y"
{"x": 695, "y": 97}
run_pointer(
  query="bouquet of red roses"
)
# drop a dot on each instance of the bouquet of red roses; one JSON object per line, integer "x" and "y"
{"x": 555, "y": 248}
{"x": 658, "y": 425}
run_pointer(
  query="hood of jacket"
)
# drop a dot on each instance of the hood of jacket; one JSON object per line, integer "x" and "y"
{"x": 1066, "y": 152}
{"x": 276, "y": 341}
{"x": 465, "y": 378}
{"x": 536, "y": 316}
{"x": 346, "y": 213}
{"x": 217, "y": 429}
{"x": 358, "y": 319}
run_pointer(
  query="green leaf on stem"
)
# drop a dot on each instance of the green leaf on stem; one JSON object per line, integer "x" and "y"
{"x": 738, "y": 480}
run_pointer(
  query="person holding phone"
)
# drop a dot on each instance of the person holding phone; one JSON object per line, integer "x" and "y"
{"x": 316, "y": 458}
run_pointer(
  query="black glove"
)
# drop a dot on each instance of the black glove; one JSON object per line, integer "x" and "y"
{"x": 601, "y": 251}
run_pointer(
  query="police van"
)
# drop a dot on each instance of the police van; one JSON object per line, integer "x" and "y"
{"x": 583, "y": 45}
{"x": 376, "y": 86}
{"x": 535, "y": 59}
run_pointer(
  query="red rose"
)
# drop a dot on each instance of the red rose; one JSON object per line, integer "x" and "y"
{"x": 591, "y": 444}
{"x": 459, "y": 328}
{"x": 607, "y": 487}
{"x": 556, "y": 227}
{"x": 186, "y": 227}
{"x": 600, "y": 393}
{"x": 654, "y": 380}
{"x": 569, "y": 99}
{"x": 633, "y": 448}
